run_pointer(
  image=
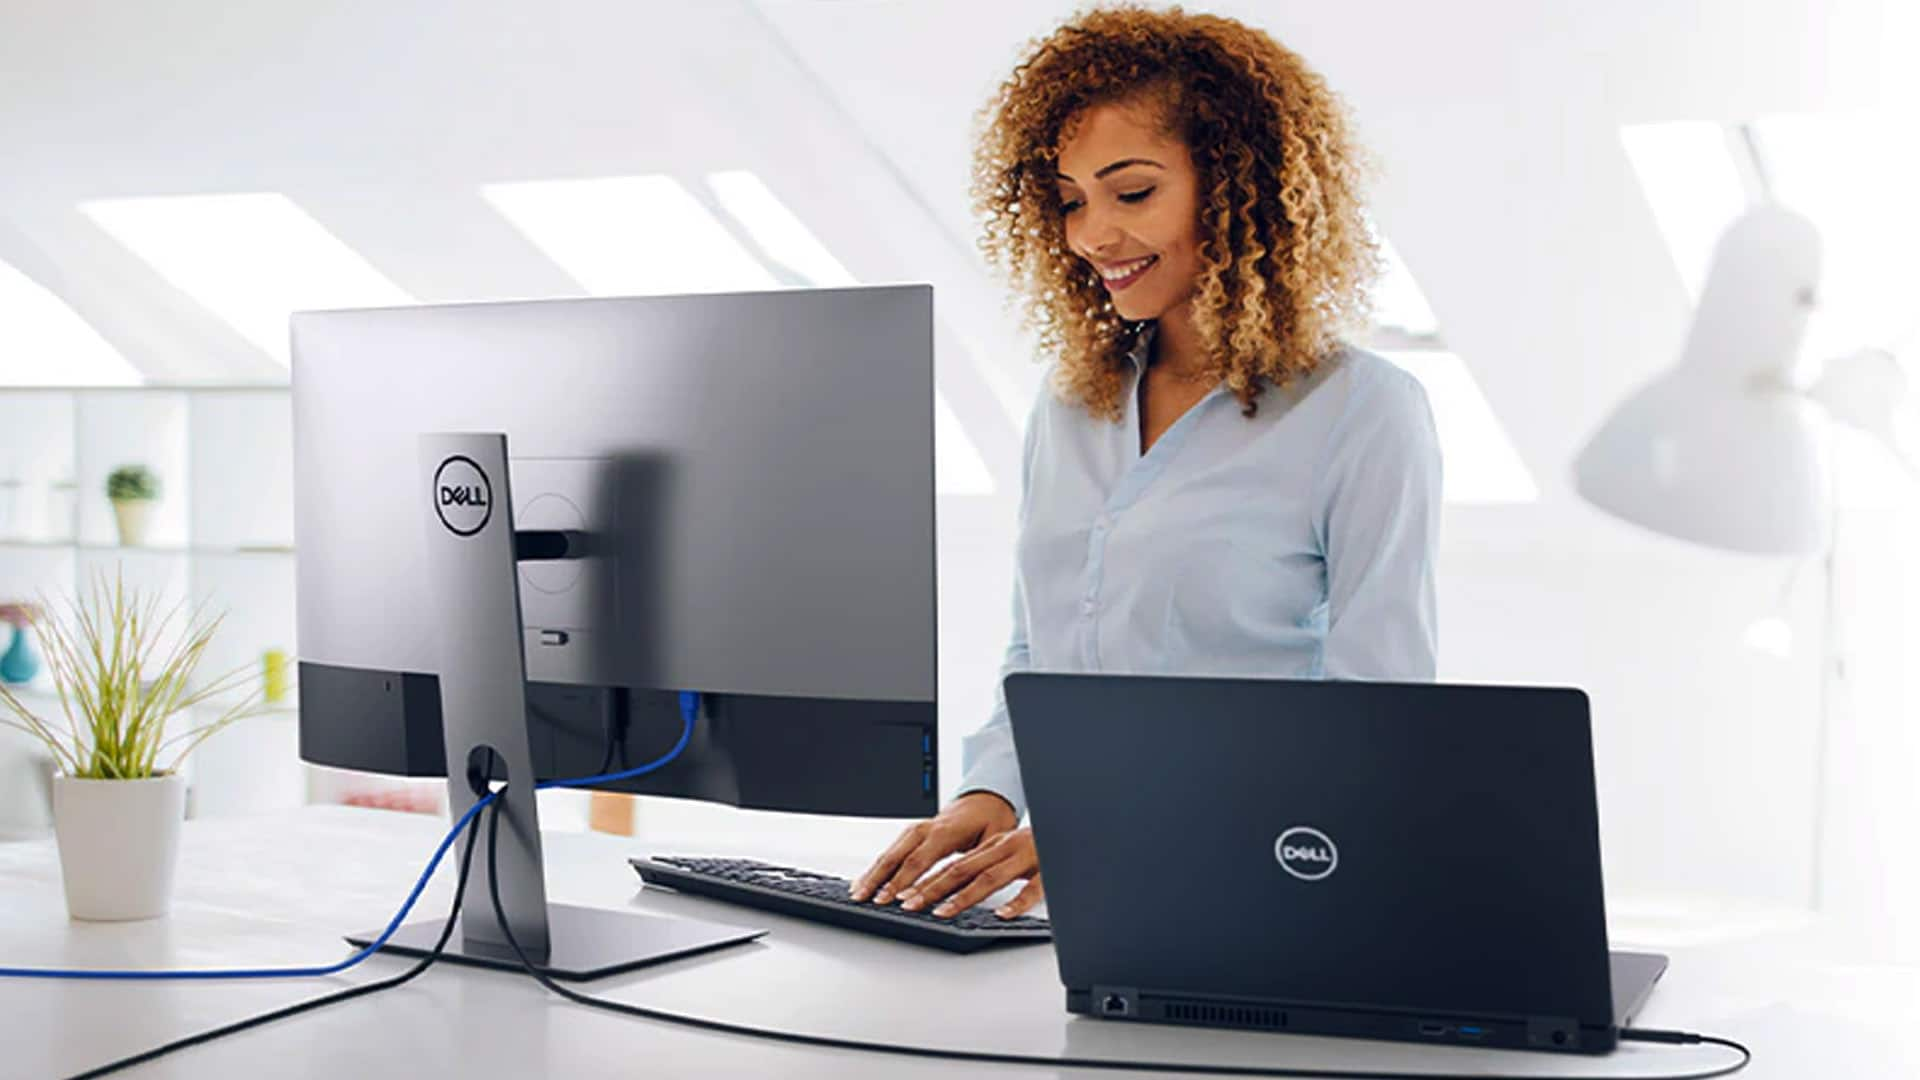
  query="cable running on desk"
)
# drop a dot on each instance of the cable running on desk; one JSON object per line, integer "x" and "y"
{"x": 993, "y": 1058}
{"x": 425, "y": 962}
{"x": 689, "y": 710}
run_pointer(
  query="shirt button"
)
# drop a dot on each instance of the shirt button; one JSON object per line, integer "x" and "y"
{"x": 1087, "y": 605}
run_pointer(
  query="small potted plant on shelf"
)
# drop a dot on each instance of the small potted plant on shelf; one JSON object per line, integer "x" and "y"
{"x": 132, "y": 489}
{"x": 122, "y": 666}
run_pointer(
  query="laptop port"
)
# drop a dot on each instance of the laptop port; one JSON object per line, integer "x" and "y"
{"x": 1113, "y": 1005}
{"x": 1434, "y": 1031}
{"x": 1472, "y": 1031}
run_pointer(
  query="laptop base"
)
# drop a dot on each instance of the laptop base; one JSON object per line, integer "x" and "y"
{"x": 1634, "y": 975}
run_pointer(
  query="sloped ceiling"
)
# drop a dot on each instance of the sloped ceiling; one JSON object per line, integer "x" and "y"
{"x": 1496, "y": 125}
{"x": 1503, "y": 181}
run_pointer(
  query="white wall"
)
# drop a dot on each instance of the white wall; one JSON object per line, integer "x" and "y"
{"x": 1704, "y": 745}
{"x": 1869, "y": 872}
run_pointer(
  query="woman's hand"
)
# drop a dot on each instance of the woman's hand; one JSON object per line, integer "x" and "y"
{"x": 973, "y": 877}
{"x": 979, "y": 822}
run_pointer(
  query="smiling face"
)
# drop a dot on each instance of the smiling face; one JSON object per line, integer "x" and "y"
{"x": 1130, "y": 197}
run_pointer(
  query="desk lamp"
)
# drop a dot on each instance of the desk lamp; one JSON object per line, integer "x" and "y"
{"x": 1726, "y": 448}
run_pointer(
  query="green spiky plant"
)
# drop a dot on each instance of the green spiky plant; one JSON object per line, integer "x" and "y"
{"x": 122, "y": 667}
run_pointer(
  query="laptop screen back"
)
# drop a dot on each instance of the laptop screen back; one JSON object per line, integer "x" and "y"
{"x": 1400, "y": 846}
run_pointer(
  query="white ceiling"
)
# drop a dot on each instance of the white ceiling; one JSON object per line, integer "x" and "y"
{"x": 1504, "y": 184}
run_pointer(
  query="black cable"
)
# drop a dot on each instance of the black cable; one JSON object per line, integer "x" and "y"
{"x": 478, "y": 779}
{"x": 425, "y": 962}
{"x": 991, "y": 1058}
{"x": 1686, "y": 1038}
{"x": 615, "y": 729}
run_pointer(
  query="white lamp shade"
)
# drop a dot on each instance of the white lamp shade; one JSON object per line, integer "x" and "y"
{"x": 1744, "y": 472}
{"x": 1719, "y": 449}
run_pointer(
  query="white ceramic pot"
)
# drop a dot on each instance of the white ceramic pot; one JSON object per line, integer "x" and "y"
{"x": 119, "y": 840}
{"x": 131, "y": 516}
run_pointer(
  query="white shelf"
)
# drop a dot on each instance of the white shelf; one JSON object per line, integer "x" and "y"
{"x": 35, "y": 697}
{"x": 222, "y": 532}
{"x": 151, "y": 549}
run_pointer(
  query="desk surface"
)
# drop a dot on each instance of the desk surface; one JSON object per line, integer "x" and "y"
{"x": 280, "y": 890}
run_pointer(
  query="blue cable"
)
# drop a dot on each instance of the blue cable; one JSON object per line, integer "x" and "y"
{"x": 689, "y": 711}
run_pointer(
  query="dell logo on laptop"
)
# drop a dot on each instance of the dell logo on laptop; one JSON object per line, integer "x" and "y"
{"x": 462, "y": 496}
{"x": 1306, "y": 853}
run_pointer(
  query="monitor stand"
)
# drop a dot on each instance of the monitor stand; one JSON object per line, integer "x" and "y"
{"x": 472, "y": 575}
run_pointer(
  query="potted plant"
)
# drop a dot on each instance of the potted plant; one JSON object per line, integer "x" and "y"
{"x": 122, "y": 667}
{"x": 132, "y": 490}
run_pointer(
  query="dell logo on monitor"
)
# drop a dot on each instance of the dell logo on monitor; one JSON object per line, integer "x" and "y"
{"x": 1306, "y": 853}
{"x": 462, "y": 495}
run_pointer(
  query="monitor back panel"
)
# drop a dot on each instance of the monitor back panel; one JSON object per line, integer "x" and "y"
{"x": 756, "y": 471}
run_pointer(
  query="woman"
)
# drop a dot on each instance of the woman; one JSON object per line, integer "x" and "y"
{"x": 1216, "y": 484}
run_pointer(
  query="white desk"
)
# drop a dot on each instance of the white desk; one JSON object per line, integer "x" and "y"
{"x": 280, "y": 890}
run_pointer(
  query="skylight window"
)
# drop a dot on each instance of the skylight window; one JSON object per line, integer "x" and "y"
{"x": 648, "y": 235}
{"x": 251, "y": 259}
{"x": 1857, "y": 176}
{"x": 958, "y": 468}
{"x": 781, "y": 235}
{"x": 44, "y": 343}
{"x": 630, "y": 235}
{"x": 1482, "y": 465}
{"x": 1402, "y": 318}
{"x": 1693, "y": 186}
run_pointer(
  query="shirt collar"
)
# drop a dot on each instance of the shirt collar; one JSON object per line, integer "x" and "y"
{"x": 1141, "y": 347}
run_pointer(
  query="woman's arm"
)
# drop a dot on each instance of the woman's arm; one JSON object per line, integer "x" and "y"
{"x": 1379, "y": 518}
{"x": 987, "y": 762}
{"x": 991, "y": 800}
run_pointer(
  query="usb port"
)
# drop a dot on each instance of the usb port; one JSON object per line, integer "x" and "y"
{"x": 1434, "y": 1031}
{"x": 1472, "y": 1031}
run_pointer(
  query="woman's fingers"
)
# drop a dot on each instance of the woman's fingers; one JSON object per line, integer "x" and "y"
{"x": 889, "y": 860}
{"x": 1024, "y": 901}
{"x": 937, "y": 844}
{"x": 966, "y": 822}
{"x": 986, "y": 884}
{"x": 969, "y": 880}
{"x": 952, "y": 876}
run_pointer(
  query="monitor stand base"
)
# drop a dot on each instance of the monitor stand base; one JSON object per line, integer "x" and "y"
{"x": 586, "y": 943}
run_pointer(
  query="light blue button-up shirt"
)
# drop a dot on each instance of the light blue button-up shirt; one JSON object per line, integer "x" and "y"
{"x": 1298, "y": 543}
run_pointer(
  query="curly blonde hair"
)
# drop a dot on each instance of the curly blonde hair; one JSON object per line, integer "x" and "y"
{"x": 1286, "y": 255}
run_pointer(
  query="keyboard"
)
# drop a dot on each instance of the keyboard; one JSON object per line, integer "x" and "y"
{"x": 822, "y": 898}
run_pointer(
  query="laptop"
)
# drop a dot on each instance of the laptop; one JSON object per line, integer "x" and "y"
{"x": 1378, "y": 860}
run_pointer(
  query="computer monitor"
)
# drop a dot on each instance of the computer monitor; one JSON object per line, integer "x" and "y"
{"x": 755, "y": 474}
{"x": 742, "y": 485}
